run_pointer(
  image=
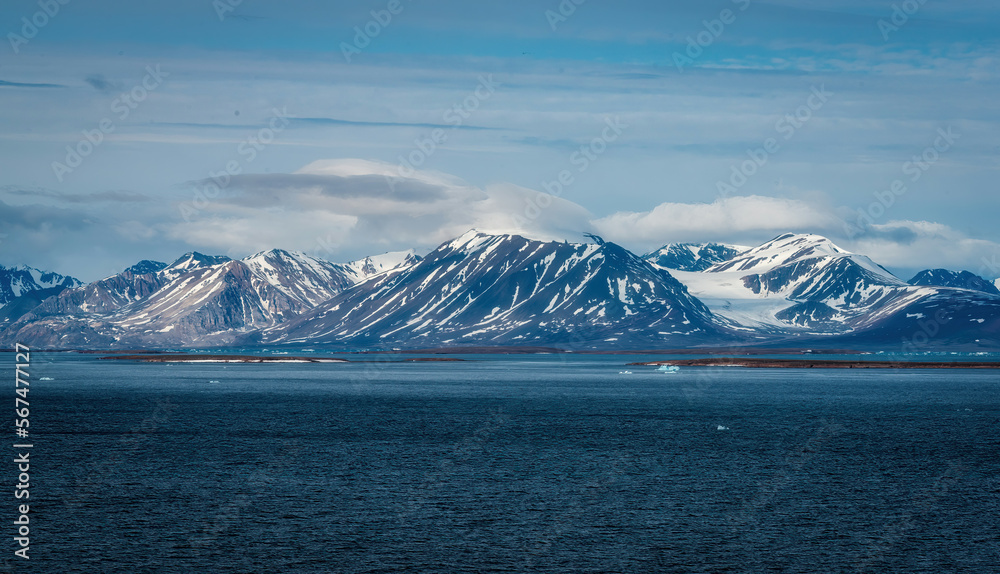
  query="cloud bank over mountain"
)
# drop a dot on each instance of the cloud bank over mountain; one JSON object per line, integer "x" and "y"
{"x": 332, "y": 205}
{"x": 346, "y": 208}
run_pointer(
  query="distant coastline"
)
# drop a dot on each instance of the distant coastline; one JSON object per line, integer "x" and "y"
{"x": 207, "y": 358}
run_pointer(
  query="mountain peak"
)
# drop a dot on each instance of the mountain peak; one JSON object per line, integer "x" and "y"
{"x": 693, "y": 256}
{"x": 194, "y": 259}
{"x": 804, "y": 241}
{"x": 277, "y": 254}
{"x": 956, "y": 279}
{"x": 146, "y": 266}
{"x": 275, "y": 251}
{"x": 473, "y": 239}
{"x": 783, "y": 249}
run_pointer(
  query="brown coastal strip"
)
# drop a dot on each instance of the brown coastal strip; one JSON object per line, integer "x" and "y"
{"x": 473, "y": 350}
{"x": 168, "y": 358}
{"x": 123, "y": 352}
{"x": 810, "y": 364}
{"x": 179, "y": 358}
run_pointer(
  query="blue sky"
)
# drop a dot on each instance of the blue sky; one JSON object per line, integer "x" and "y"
{"x": 333, "y": 179}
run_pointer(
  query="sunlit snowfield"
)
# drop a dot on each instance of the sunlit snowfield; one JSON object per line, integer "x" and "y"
{"x": 511, "y": 464}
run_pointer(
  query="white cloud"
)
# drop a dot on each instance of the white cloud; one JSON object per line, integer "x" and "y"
{"x": 133, "y": 230}
{"x": 728, "y": 219}
{"x": 349, "y": 208}
{"x": 924, "y": 245}
{"x": 244, "y": 231}
{"x": 346, "y": 208}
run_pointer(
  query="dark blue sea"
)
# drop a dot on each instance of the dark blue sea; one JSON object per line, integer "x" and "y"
{"x": 508, "y": 464}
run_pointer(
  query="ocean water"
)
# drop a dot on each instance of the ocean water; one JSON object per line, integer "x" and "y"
{"x": 509, "y": 464}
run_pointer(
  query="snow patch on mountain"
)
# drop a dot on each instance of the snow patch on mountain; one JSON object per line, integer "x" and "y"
{"x": 725, "y": 294}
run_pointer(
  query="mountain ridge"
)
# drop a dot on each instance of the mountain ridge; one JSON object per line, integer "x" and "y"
{"x": 507, "y": 290}
{"x": 693, "y": 256}
{"x": 22, "y": 279}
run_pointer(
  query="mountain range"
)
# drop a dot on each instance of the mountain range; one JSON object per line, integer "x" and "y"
{"x": 797, "y": 290}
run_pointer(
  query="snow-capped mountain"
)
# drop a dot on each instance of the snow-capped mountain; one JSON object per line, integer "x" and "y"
{"x": 958, "y": 279}
{"x": 99, "y": 313}
{"x": 792, "y": 248}
{"x": 303, "y": 278}
{"x": 693, "y": 256}
{"x": 210, "y": 304}
{"x": 509, "y": 290}
{"x": 20, "y": 280}
{"x": 806, "y": 285}
{"x": 214, "y": 303}
{"x": 136, "y": 283}
{"x": 794, "y": 281}
{"x": 482, "y": 289}
{"x": 196, "y": 300}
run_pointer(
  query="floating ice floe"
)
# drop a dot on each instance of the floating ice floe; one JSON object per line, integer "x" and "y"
{"x": 668, "y": 369}
{"x": 720, "y": 427}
